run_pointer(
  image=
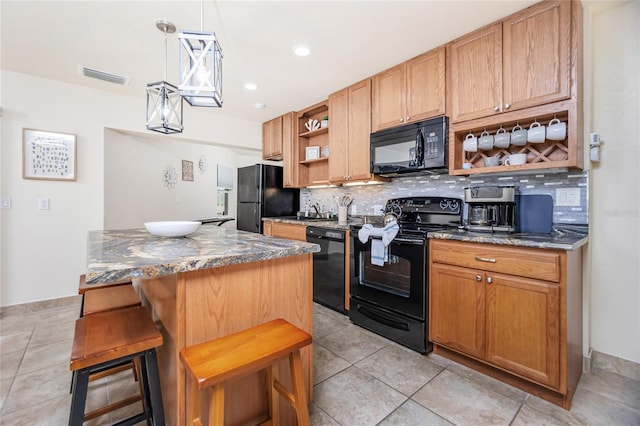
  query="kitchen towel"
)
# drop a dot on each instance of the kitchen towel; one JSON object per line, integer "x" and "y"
{"x": 379, "y": 247}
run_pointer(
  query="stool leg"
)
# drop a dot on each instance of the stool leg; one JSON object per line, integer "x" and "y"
{"x": 216, "y": 407}
{"x": 297, "y": 379}
{"x": 150, "y": 369}
{"x": 79, "y": 397}
{"x": 274, "y": 400}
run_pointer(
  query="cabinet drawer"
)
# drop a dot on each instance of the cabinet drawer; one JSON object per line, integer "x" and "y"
{"x": 288, "y": 231}
{"x": 540, "y": 264}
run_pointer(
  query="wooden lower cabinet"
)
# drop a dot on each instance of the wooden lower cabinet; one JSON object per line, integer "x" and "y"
{"x": 515, "y": 326}
{"x": 285, "y": 230}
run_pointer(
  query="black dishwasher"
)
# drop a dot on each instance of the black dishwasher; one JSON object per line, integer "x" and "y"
{"x": 328, "y": 267}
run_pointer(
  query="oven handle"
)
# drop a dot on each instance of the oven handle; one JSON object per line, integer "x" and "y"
{"x": 382, "y": 318}
{"x": 396, "y": 240}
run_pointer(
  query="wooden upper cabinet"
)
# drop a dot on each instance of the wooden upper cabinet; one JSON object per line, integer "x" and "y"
{"x": 521, "y": 62}
{"x": 289, "y": 151}
{"x": 537, "y": 55}
{"x": 411, "y": 91}
{"x": 349, "y": 131}
{"x": 272, "y": 139}
{"x": 476, "y": 74}
{"x": 425, "y": 80}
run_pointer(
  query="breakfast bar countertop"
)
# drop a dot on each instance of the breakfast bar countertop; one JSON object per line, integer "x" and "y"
{"x": 118, "y": 255}
{"x": 561, "y": 238}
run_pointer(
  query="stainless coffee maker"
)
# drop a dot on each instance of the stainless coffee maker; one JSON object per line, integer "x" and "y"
{"x": 490, "y": 208}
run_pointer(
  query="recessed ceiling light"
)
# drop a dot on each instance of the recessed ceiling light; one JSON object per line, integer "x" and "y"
{"x": 250, "y": 86}
{"x": 259, "y": 105}
{"x": 301, "y": 50}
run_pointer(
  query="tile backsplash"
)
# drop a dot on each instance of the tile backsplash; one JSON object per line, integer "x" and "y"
{"x": 368, "y": 199}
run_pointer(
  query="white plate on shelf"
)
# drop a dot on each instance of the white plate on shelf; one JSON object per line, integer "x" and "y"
{"x": 176, "y": 228}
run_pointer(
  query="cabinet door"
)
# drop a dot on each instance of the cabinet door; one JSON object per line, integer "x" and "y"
{"x": 476, "y": 74}
{"x": 266, "y": 227}
{"x": 388, "y": 107}
{"x": 425, "y": 85}
{"x": 272, "y": 139}
{"x": 359, "y": 131}
{"x": 289, "y": 154}
{"x": 537, "y": 55}
{"x": 523, "y": 327}
{"x": 457, "y": 309}
{"x": 338, "y": 136}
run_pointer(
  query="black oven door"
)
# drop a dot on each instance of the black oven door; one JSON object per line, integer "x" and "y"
{"x": 400, "y": 284}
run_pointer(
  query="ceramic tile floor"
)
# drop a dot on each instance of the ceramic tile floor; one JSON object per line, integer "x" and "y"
{"x": 359, "y": 379}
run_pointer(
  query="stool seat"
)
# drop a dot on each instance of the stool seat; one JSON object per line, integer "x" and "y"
{"x": 110, "y": 298}
{"x": 83, "y": 287}
{"x": 245, "y": 352}
{"x": 107, "y": 339}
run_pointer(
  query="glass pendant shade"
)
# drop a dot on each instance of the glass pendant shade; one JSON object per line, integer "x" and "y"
{"x": 200, "y": 69}
{"x": 164, "y": 108}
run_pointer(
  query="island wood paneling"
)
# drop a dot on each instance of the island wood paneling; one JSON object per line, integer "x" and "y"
{"x": 197, "y": 306}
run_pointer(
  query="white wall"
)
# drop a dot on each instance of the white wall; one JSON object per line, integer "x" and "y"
{"x": 135, "y": 192}
{"x": 614, "y": 112}
{"x": 43, "y": 252}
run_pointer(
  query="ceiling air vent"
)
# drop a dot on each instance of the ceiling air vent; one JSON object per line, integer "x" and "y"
{"x": 104, "y": 76}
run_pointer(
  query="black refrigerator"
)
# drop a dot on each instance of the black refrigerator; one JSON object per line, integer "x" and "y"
{"x": 260, "y": 194}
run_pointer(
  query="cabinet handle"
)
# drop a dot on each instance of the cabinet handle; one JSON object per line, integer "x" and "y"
{"x": 489, "y": 280}
{"x": 408, "y": 118}
{"x": 402, "y": 120}
{"x": 496, "y": 109}
{"x": 478, "y": 277}
{"x": 507, "y": 106}
{"x": 485, "y": 259}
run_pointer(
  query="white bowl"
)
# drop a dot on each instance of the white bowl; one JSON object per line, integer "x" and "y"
{"x": 172, "y": 228}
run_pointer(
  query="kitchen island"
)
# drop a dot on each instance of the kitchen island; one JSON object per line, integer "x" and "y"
{"x": 211, "y": 283}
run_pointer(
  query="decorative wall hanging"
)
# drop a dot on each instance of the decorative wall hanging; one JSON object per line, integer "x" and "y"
{"x": 187, "y": 170}
{"x": 48, "y": 155}
{"x": 202, "y": 165}
{"x": 170, "y": 177}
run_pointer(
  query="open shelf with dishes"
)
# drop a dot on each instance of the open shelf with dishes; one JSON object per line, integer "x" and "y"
{"x": 312, "y": 140}
{"x": 565, "y": 153}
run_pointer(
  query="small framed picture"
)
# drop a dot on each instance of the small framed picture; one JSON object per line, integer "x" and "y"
{"x": 48, "y": 155}
{"x": 187, "y": 170}
{"x": 312, "y": 153}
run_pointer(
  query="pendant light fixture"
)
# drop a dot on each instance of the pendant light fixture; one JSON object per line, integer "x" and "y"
{"x": 200, "y": 66}
{"x": 164, "y": 103}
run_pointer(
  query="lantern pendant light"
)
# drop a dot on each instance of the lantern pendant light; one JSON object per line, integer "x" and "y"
{"x": 200, "y": 66}
{"x": 164, "y": 103}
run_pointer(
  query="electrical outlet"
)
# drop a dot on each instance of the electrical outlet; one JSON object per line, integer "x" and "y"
{"x": 569, "y": 197}
{"x": 5, "y": 203}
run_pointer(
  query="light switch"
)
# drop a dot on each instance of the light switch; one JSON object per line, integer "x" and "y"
{"x": 43, "y": 203}
{"x": 5, "y": 203}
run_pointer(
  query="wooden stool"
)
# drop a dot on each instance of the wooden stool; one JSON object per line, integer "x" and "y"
{"x": 242, "y": 353}
{"x": 104, "y": 340}
{"x": 83, "y": 288}
{"x": 110, "y": 298}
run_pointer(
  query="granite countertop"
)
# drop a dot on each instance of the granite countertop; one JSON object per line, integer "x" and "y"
{"x": 561, "y": 238}
{"x": 328, "y": 223}
{"x": 133, "y": 253}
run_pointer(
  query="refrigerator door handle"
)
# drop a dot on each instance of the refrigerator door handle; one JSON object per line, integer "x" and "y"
{"x": 256, "y": 217}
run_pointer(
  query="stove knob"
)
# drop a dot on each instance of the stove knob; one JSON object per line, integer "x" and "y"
{"x": 443, "y": 204}
{"x": 454, "y": 205}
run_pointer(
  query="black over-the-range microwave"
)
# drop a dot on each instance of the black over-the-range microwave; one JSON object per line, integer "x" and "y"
{"x": 414, "y": 148}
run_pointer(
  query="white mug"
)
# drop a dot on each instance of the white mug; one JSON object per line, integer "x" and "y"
{"x": 491, "y": 161}
{"x": 485, "y": 141}
{"x": 536, "y": 133}
{"x": 516, "y": 160}
{"x": 518, "y": 136}
{"x": 502, "y": 138}
{"x": 556, "y": 130}
{"x": 470, "y": 143}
